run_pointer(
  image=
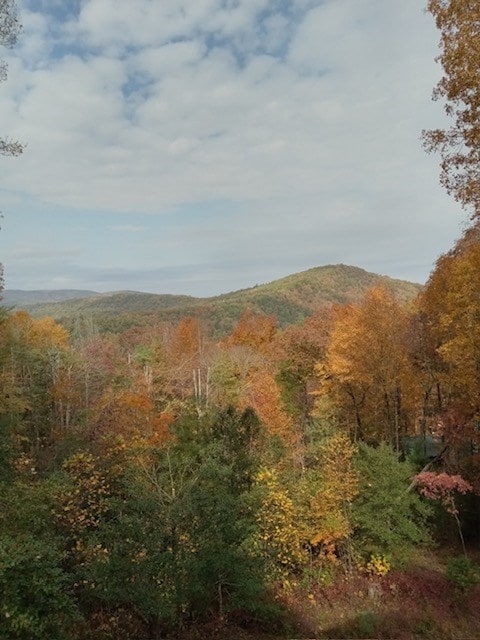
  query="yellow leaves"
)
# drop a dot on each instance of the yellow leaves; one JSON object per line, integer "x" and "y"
{"x": 336, "y": 457}
{"x": 451, "y": 302}
{"x": 325, "y": 498}
{"x": 81, "y": 505}
{"x": 43, "y": 333}
{"x": 277, "y": 539}
{"x": 313, "y": 515}
{"x": 378, "y": 566}
{"x": 25, "y": 465}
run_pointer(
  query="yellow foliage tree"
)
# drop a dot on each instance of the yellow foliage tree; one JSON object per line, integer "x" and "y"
{"x": 277, "y": 539}
{"x": 368, "y": 368}
{"x": 325, "y": 493}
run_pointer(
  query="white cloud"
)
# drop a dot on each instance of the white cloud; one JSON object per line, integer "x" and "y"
{"x": 309, "y": 113}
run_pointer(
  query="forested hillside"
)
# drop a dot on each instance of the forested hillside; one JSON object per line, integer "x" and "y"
{"x": 159, "y": 480}
{"x": 24, "y": 299}
{"x": 290, "y": 300}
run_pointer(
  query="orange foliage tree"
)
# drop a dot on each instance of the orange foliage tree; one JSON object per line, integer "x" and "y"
{"x": 368, "y": 370}
{"x": 451, "y": 306}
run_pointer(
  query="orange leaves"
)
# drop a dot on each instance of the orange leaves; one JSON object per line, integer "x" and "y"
{"x": 254, "y": 331}
{"x": 451, "y": 303}
{"x": 368, "y": 366}
{"x": 133, "y": 415}
{"x": 368, "y": 340}
{"x": 264, "y": 397}
{"x": 186, "y": 343}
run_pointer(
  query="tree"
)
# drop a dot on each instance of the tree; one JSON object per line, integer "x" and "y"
{"x": 442, "y": 486}
{"x": 368, "y": 368}
{"x": 459, "y": 146}
{"x": 387, "y": 517}
{"x": 326, "y": 490}
{"x": 450, "y": 306}
{"x": 189, "y": 373}
{"x": 255, "y": 331}
{"x": 9, "y": 30}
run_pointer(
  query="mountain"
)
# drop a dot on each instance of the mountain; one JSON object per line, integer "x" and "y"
{"x": 23, "y": 299}
{"x": 290, "y": 299}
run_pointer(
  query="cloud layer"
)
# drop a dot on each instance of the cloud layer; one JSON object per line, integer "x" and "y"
{"x": 228, "y": 137}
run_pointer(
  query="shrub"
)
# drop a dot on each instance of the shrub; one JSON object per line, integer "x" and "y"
{"x": 462, "y": 572}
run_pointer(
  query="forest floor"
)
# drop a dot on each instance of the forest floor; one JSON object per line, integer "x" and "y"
{"x": 417, "y": 602}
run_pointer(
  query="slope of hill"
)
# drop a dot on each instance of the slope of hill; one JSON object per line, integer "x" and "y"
{"x": 290, "y": 299}
{"x": 110, "y": 304}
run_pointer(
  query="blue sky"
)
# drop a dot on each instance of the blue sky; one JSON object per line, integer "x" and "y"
{"x": 200, "y": 146}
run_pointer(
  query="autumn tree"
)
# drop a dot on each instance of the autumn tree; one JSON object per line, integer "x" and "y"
{"x": 459, "y": 146}
{"x": 97, "y": 364}
{"x": 36, "y": 348}
{"x": 296, "y": 350}
{"x": 443, "y": 487}
{"x": 255, "y": 331}
{"x": 265, "y": 397}
{"x": 368, "y": 370}
{"x": 325, "y": 491}
{"x": 188, "y": 365}
{"x": 455, "y": 319}
{"x": 249, "y": 352}
{"x": 450, "y": 304}
{"x": 277, "y": 538}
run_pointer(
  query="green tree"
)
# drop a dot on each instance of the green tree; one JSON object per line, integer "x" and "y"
{"x": 216, "y": 515}
{"x": 36, "y": 594}
{"x": 169, "y": 540}
{"x": 387, "y": 517}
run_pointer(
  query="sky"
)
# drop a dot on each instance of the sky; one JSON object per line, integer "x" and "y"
{"x": 202, "y": 146}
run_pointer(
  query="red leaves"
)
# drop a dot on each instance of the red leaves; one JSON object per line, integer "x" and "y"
{"x": 442, "y": 486}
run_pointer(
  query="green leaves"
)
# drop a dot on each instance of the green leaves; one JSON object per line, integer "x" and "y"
{"x": 387, "y": 519}
{"x": 35, "y": 601}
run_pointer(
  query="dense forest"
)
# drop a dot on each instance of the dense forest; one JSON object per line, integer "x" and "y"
{"x": 291, "y": 300}
{"x": 158, "y": 481}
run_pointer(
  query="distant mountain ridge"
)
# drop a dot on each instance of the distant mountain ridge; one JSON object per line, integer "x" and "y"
{"x": 291, "y": 299}
{"x": 20, "y": 298}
